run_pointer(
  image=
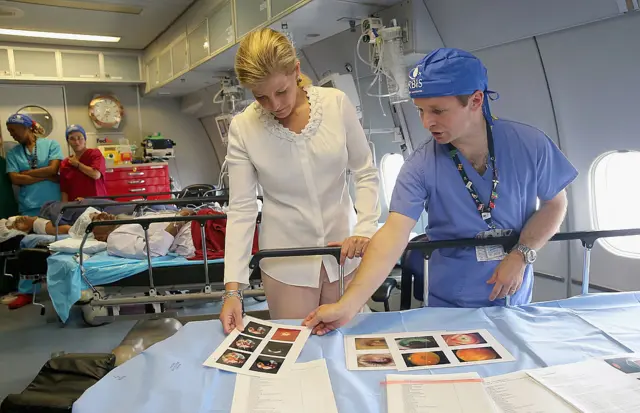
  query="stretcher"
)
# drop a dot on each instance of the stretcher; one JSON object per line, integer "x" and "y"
{"x": 160, "y": 275}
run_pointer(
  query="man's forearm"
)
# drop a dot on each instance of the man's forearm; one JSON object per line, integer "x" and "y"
{"x": 46, "y": 172}
{"x": 383, "y": 252}
{"x": 23, "y": 179}
{"x": 545, "y": 222}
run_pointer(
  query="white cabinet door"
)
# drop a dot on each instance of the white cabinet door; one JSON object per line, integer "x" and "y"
{"x": 80, "y": 65}
{"x": 198, "y": 41}
{"x": 221, "y": 31}
{"x": 164, "y": 66}
{"x": 250, "y": 14}
{"x": 5, "y": 69}
{"x": 278, "y": 6}
{"x": 121, "y": 67}
{"x": 50, "y": 98}
{"x": 152, "y": 73}
{"x": 180, "y": 56}
{"x": 35, "y": 63}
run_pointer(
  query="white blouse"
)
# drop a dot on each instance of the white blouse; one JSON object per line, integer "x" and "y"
{"x": 304, "y": 181}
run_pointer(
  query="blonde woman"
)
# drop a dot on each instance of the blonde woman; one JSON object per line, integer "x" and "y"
{"x": 297, "y": 141}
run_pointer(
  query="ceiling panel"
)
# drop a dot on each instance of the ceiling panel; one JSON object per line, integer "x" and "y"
{"x": 136, "y": 30}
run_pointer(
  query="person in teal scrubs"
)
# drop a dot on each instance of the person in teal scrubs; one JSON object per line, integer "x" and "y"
{"x": 33, "y": 166}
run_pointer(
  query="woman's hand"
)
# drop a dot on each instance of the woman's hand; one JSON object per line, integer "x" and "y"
{"x": 73, "y": 161}
{"x": 231, "y": 315}
{"x": 351, "y": 247}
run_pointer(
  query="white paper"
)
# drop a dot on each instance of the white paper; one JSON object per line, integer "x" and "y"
{"x": 262, "y": 349}
{"x": 307, "y": 388}
{"x": 591, "y": 386}
{"x": 423, "y": 350}
{"x": 519, "y": 393}
{"x": 442, "y": 393}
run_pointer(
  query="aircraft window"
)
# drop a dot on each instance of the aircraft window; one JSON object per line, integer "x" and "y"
{"x": 614, "y": 202}
{"x": 390, "y": 165}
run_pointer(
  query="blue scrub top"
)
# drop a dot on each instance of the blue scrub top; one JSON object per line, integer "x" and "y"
{"x": 32, "y": 197}
{"x": 530, "y": 166}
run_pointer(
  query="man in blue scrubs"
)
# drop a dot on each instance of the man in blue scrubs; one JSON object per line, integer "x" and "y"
{"x": 478, "y": 177}
{"x": 33, "y": 166}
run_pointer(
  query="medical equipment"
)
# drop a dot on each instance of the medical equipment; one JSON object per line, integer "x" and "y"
{"x": 346, "y": 84}
{"x": 231, "y": 96}
{"x": 223, "y": 122}
{"x": 158, "y": 147}
{"x": 386, "y": 58}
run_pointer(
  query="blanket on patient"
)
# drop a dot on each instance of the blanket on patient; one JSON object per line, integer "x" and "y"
{"x": 215, "y": 231}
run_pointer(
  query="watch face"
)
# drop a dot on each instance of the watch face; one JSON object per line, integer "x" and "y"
{"x": 531, "y": 256}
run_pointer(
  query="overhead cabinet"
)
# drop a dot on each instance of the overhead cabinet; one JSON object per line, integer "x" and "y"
{"x": 193, "y": 42}
{"x": 80, "y": 65}
{"x": 35, "y": 64}
{"x": 250, "y": 14}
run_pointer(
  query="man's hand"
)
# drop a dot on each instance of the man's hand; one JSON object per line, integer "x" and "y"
{"x": 327, "y": 318}
{"x": 508, "y": 276}
{"x": 351, "y": 247}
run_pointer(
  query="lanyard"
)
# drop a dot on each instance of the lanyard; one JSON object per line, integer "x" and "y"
{"x": 32, "y": 159}
{"x": 484, "y": 210}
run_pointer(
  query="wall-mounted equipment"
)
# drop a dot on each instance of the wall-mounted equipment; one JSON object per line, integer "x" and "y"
{"x": 386, "y": 58}
{"x": 223, "y": 122}
{"x": 346, "y": 84}
{"x": 231, "y": 96}
{"x": 157, "y": 147}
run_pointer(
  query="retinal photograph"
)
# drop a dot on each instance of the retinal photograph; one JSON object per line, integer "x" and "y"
{"x": 414, "y": 343}
{"x": 371, "y": 343}
{"x": 425, "y": 358}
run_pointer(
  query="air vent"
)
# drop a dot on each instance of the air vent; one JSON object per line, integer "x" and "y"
{"x": 10, "y": 13}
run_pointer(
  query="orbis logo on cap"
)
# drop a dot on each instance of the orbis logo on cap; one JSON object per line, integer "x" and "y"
{"x": 414, "y": 81}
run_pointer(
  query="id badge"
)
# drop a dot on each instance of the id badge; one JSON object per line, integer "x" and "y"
{"x": 491, "y": 252}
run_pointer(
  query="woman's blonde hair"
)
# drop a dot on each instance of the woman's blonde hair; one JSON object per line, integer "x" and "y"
{"x": 265, "y": 52}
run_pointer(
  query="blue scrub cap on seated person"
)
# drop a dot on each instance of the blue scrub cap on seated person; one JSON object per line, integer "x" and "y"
{"x": 19, "y": 119}
{"x": 450, "y": 72}
{"x": 75, "y": 128}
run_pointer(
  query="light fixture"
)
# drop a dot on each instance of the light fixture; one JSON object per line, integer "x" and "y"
{"x": 61, "y": 36}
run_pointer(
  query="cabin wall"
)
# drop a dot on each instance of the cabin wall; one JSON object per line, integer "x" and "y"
{"x": 195, "y": 162}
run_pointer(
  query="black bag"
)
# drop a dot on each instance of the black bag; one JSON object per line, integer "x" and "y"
{"x": 60, "y": 383}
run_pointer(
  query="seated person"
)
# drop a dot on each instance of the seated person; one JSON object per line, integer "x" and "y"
{"x": 128, "y": 240}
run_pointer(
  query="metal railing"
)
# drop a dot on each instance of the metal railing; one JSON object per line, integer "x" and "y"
{"x": 587, "y": 238}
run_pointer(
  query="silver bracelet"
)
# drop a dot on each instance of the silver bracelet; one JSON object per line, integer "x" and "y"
{"x": 232, "y": 293}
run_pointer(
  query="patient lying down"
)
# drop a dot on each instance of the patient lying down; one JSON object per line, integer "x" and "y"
{"x": 128, "y": 240}
{"x": 35, "y": 225}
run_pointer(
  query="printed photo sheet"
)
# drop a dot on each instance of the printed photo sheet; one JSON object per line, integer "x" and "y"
{"x": 262, "y": 349}
{"x": 628, "y": 363}
{"x": 423, "y": 350}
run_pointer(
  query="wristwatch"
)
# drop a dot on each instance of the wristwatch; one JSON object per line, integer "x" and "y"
{"x": 528, "y": 254}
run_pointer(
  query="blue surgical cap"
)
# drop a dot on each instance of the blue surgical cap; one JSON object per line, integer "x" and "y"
{"x": 450, "y": 72}
{"x": 19, "y": 119}
{"x": 76, "y": 128}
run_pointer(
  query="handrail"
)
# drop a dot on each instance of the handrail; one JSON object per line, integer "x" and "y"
{"x": 587, "y": 238}
{"x": 138, "y": 204}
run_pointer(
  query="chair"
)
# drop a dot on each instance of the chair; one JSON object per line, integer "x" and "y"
{"x": 383, "y": 293}
{"x": 412, "y": 265}
{"x": 195, "y": 191}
